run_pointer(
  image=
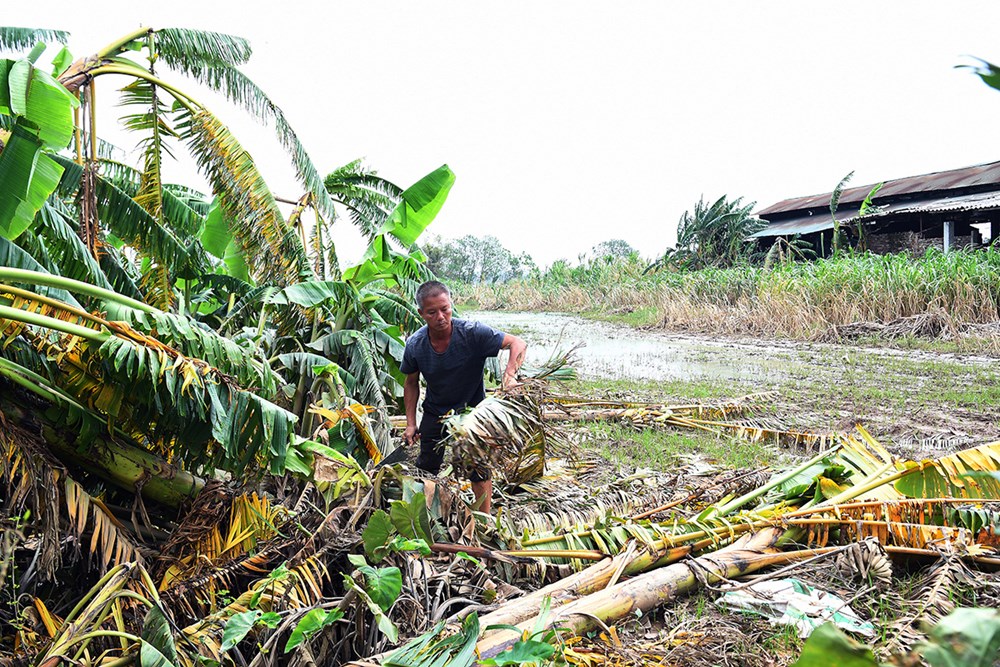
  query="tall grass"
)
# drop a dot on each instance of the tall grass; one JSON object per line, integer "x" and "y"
{"x": 799, "y": 300}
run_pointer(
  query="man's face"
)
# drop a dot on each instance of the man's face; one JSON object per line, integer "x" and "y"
{"x": 436, "y": 311}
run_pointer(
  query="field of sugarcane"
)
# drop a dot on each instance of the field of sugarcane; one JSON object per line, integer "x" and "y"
{"x": 198, "y": 462}
{"x": 944, "y": 297}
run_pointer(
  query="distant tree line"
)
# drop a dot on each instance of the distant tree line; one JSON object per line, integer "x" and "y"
{"x": 473, "y": 259}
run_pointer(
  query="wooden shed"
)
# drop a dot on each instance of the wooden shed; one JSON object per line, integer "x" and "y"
{"x": 946, "y": 209}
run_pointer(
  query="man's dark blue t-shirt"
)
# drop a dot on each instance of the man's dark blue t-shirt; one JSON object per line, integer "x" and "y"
{"x": 454, "y": 377}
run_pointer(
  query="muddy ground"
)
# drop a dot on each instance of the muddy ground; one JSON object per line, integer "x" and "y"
{"x": 916, "y": 402}
{"x": 920, "y": 404}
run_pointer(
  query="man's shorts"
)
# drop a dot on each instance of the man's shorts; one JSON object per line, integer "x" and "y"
{"x": 432, "y": 449}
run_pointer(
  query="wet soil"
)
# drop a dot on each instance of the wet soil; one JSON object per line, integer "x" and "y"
{"x": 917, "y": 403}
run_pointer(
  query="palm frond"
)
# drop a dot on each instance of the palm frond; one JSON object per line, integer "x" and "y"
{"x": 110, "y": 542}
{"x": 439, "y": 647}
{"x": 220, "y": 74}
{"x": 936, "y": 596}
{"x": 507, "y": 433}
{"x": 253, "y": 519}
{"x": 182, "y": 47}
{"x": 65, "y": 247}
{"x": 309, "y": 576}
{"x": 272, "y": 248}
{"x": 198, "y": 561}
{"x": 18, "y": 39}
{"x": 112, "y": 597}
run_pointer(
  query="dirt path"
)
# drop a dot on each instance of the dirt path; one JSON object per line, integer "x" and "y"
{"x": 921, "y": 402}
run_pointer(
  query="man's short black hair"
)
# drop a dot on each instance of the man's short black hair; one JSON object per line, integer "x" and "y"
{"x": 429, "y": 289}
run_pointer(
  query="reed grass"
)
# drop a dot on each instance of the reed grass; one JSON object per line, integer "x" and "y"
{"x": 960, "y": 290}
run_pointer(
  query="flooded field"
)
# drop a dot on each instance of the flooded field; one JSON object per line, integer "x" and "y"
{"x": 616, "y": 351}
{"x": 911, "y": 398}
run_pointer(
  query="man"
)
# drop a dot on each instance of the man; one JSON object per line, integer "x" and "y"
{"x": 450, "y": 354}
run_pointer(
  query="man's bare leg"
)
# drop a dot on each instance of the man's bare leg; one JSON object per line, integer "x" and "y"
{"x": 483, "y": 493}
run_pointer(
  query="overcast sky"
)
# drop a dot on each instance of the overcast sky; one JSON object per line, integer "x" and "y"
{"x": 570, "y": 123}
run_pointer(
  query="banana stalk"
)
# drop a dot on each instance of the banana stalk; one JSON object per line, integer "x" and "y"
{"x": 115, "y": 461}
{"x": 649, "y": 590}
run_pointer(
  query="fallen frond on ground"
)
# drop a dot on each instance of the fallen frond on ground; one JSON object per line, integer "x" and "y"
{"x": 336, "y": 561}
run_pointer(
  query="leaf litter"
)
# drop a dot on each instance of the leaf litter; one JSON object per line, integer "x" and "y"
{"x": 585, "y": 561}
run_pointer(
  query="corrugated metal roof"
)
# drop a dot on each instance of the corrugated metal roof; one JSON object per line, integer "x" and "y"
{"x": 968, "y": 202}
{"x": 966, "y": 177}
{"x": 804, "y": 224}
{"x": 810, "y": 224}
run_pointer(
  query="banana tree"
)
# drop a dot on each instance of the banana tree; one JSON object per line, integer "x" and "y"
{"x": 168, "y": 113}
{"x": 358, "y": 321}
{"x": 124, "y": 229}
{"x": 174, "y": 400}
{"x": 145, "y": 225}
{"x": 139, "y": 320}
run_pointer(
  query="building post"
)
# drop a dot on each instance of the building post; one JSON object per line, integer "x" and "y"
{"x": 949, "y": 234}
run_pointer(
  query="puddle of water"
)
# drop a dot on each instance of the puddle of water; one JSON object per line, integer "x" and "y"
{"x": 617, "y": 351}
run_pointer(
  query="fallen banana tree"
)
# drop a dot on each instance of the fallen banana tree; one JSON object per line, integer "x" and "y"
{"x": 238, "y": 567}
{"x": 856, "y": 468}
{"x": 648, "y": 590}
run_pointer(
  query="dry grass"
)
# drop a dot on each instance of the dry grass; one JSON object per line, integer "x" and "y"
{"x": 951, "y": 297}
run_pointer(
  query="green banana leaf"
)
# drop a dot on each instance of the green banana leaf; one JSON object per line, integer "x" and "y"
{"x": 420, "y": 204}
{"x": 28, "y": 175}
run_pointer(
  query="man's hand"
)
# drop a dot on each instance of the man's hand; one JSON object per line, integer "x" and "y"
{"x": 411, "y": 435}
{"x": 509, "y": 383}
{"x": 517, "y": 348}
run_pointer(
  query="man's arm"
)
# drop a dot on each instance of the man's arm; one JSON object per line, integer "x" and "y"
{"x": 411, "y": 394}
{"x": 517, "y": 348}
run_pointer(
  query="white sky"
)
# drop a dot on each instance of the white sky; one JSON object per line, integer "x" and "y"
{"x": 569, "y": 123}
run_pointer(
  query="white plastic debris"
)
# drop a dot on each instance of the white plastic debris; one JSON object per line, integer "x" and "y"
{"x": 792, "y": 602}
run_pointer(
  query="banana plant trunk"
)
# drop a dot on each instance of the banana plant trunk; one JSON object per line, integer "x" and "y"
{"x": 649, "y": 590}
{"x": 583, "y": 583}
{"x": 127, "y": 466}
